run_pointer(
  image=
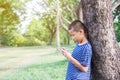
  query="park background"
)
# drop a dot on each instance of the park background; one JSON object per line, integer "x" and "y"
{"x": 31, "y": 33}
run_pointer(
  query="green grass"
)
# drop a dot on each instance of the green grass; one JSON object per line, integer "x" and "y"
{"x": 49, "y": 66}
{"x": 48, "y": 71}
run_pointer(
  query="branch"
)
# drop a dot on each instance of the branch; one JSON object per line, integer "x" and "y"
{"x": 116, "y": 12}
{"x": 71, "y": 12}
{"x": 79, "y": 12}
{"x": 66, "y": 20}
{"x": 115, "y": 4}
{"x": 62, "y": 24}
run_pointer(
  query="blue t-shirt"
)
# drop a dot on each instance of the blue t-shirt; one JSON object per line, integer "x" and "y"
{"x": 83, "y": 54}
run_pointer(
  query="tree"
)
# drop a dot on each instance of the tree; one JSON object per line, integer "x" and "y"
{"x": 48, "y": 21}
{"x": 66, "y": 15}
{"x": 97, "y": 16}
{"x": 8, "y": 20}
{"x": 57, "y": 27}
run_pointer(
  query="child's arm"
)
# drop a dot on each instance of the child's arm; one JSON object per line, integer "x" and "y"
{"x": 73, "y": 60}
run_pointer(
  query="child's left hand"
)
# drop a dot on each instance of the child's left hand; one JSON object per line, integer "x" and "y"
{"x": 66, "y": 53}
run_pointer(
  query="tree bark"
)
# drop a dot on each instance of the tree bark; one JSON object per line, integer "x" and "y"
{"x": 97, "y": 16}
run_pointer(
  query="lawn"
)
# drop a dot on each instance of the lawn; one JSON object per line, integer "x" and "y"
{"x": 32, "y": 63}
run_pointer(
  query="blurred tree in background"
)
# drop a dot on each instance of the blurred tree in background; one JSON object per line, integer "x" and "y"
{"x": 47, "y": 21}
{"x": 41, "y": 30}
{"x": 8, "y": 19}
{"x": 9, "y": 34}
{"x": 35, "y": 34}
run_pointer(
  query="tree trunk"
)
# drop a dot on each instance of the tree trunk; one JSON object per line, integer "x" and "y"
{"x": 78, "y": 10}
{"x": 52, "y": 33}
{"x": 97, "y": 16}
{"x": 51, "y": 38}
{"x": 58, "y": 25}
{"x": 68, "y": 37}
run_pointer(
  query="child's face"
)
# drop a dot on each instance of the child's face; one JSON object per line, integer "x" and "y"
{"x": 77, "y": 35}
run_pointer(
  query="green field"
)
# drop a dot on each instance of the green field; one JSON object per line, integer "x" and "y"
{"x": 32, "y": 63}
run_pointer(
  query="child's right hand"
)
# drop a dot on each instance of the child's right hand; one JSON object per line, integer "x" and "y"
{"x": 66, "y": 53}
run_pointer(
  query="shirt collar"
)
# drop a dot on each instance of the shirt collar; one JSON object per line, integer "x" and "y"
{"x": 80, "y": 44}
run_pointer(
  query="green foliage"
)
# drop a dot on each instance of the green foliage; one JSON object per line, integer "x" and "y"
{"x": 8, "y": 16}
{"x": 67, "y": 14}
{"x": 8, "y": 21}
{"x": 49, "y": 22}
{"x": 64, "y": 36}
{"x": 117, "y": 30}
{"x": 116, "y": 16}
{"x": 40, "y": 31}
{"x": 35, "y": 34}
{"x": 68, "y": 10}
{"x": 16, "y": 40}
{"x": 8, "y": 34}
{"x": 32, "y": 41}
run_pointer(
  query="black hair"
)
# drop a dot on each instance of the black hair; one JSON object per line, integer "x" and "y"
{"x": 77, "y": 25}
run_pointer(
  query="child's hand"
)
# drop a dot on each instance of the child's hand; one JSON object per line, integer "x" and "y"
{"x": 66, "y": 53}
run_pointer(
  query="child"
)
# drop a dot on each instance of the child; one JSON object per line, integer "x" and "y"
{"x": 80, "y": 60}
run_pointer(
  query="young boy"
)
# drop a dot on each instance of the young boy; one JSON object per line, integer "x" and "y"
{"x": 80, "y": 60}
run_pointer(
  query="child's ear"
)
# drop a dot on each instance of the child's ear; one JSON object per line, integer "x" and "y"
{"x": 81, "y": 31}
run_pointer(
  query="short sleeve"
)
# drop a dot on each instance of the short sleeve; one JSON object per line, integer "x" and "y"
{"x": 86, "y": 57}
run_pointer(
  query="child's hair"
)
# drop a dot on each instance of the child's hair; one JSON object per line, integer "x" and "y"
{"x": 77, "y": 25}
